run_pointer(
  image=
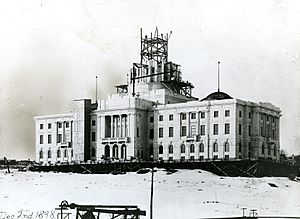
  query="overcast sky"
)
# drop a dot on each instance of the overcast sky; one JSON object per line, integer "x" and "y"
{"x": 50, "y": 52}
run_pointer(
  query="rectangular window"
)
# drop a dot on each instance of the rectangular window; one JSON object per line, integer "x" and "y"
{"x": 227, "y": 128}
{"x": 183, "y": 131}
{"x": 183, "y": 116}
{"x": 193, "y": 115}
{"x": 151, "y": 134}
{"x": 202, "y": 115}
{"x": 215, "y": 157}
{"x": 160, "y": 132}
{"x": 41, "y": 126}
{"x": 227, "y": 113}
{"x": 240, "y": 129}
{"x": 49, "y": 126}
{"x": 250, "y": 115}
{"x": 240, "y": 113}
{"x": 59, "y": 124}
{"x": 249, "y": 130}
{"x": 216, "y": 114}
{"x": 161, "y": 118}
{"x": 201, "y": 158}
{"x": 201, "y": 149}
{"x": 202, "y": 129}
{"x": 171, "y": 117}
{"x": 59, "y": 137}
{"x": 49, "y": 139}
{"x": 93, "y": 122}
{"x": 151, "y": 119}
{"x": 226, "y": 157}
{"x": 216, "y": 129}
{"x": 193, "y": 129}
{"x": 67, "y": 124}
{"x": 171, "y": 132}
{"x": 137, "y": 132}
{"x": 93, "y": 136}
{"x": 41, "y": 139}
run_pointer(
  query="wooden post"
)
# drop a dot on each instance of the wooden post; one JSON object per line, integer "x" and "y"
{"x": 151, "y": 196}
{"x": 7, "y": 164}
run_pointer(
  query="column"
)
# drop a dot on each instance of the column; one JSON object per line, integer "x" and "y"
{"x": 63, "y": 132}
{"x": 102, "y": 126}
{"x": 110, "y": 150}
{"x": 56, "y": 133}
{"x": 121, "y": 126}
{"x": 198, "y": 123}
{"x": 180, "y": 124}
{"x": 126, "y": 126}
{"x": 188, "y": 128}
{"x": 71, "y": 133}
{"x": 111, "y": 126}
{"x": 98, "y": 128}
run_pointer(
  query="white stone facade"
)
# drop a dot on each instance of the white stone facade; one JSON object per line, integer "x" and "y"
{"x": 156, "y": 117}
{"x": 126, "y": 127}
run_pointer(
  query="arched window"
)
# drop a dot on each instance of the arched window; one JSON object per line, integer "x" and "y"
{"x": 192, "y": 148}
{"x": 151, "y": 149}
{"x": 269, "y": 149}
{"x": 201, "y": 148}
{"x": 41, "y": 155}
{"x": 161, "y": 149}
{"x": 115, "y": 151}
{"x": 170, "y": 149}
{"x": 215, "y": 147}
{"x": 182, "y": 148}
{"x": 93, "y": 152}
{"x": 49, "y": 154}
{"x": 226, "y": 146}
{"x": 58, "y": 153}
{"x": 107, "y": 151}
{"x": 65, "y": 153}
{"x": 240, "y": 146}
{"x": 123, "y": 151}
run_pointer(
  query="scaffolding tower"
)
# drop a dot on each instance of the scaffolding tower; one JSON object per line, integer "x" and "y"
{"x": 155, "y": 67}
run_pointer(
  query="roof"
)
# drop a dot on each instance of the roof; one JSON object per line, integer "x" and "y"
{"x": 217, "y": 96}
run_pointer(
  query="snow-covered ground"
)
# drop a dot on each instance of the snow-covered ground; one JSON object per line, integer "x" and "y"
{"x": 184, "y": 194}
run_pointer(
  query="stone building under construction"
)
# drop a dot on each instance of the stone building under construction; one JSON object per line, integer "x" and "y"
{"x": 155, "y": 117}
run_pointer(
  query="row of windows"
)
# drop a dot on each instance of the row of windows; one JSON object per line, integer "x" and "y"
{"x": 249, "y": 114}
{"x": 49, "y": 139}
{"x": 58, "y": 154}
{"x": 269, "y": 148}
{"x": 192, "y": 116}
{"x": 201, "y": 158}
{"x": 192, "y": 148}
{"x": 184, "y": 130}
{"x": 59, "y": 124}
{"x": 240, "y": 129}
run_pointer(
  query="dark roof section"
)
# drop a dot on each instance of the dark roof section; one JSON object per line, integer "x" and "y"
{"x": 217, "y": 96}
